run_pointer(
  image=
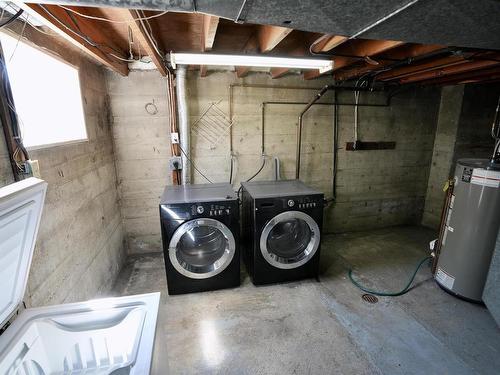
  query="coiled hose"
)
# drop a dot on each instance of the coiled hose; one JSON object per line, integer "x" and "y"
{"x": 405, "y": 290}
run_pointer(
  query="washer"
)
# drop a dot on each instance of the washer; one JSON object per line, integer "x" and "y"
{"x": 281, "y": 229}
{"x": 200, "y": 233}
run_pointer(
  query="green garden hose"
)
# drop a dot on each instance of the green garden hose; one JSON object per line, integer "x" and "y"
{"x": 389, "y": 294}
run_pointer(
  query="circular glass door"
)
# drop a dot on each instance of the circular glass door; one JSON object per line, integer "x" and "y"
{"x": 289, "y": 239}
{"x": 201, "y": 248}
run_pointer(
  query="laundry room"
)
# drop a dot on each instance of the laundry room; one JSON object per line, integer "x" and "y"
{"x": 241, "y": 187}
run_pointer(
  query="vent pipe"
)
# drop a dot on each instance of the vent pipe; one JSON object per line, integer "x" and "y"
{"x": 184, "y": 130}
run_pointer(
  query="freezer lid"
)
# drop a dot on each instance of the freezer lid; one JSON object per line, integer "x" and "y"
{"x": 21, "y": 205}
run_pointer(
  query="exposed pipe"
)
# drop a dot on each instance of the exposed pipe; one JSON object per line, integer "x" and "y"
{"x": 495, "y": 133}
{"x": 311, "y": 103}
{"x": 335, "y": 144}
{"x": 254, "y": 85}
{"x": 299, "y": 128}
{"x": 184, "y": 137}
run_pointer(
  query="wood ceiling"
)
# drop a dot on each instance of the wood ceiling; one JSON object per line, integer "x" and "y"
{"x": 125, "y": 35}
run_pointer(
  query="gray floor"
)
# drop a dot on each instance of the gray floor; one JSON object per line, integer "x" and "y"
{"x": 308, "y": 327}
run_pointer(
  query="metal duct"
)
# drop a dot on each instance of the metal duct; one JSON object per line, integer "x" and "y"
{"x": 182, "y": 109}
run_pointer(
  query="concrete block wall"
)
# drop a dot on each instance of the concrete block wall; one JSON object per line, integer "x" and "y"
{"x": 375, "y": 188}
{"x": 79, "y": 249}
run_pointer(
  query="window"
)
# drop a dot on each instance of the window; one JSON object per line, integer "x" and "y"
{"x": 46, "y": 94}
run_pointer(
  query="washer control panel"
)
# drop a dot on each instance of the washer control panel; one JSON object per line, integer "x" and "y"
{"x": 304, "y": 202}
{"x": 210, "y": 210}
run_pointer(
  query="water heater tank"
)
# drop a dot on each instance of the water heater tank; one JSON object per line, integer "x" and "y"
{"x": 472, "y": 223}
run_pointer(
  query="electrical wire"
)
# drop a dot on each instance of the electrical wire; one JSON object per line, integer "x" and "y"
{"x": 19, "y": 39}
{"x": 12, "y": 19}
{"x": 194, "y": 165}
{"x": 255, "y": 175}
{"x": 405, "y": 290}
{"x": 260, "y": 169}
{"x": 112, "y": 21}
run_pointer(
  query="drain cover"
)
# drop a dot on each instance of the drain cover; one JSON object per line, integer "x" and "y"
{"x": 370, "y": 298}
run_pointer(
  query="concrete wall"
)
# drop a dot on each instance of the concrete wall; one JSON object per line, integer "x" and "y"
{"x": 375, "y": 188}
{"x": 463, "y": 131}
{"x": 6, "y": 175}
{"x": 142, "y": 150}
{"x": 80, "y": 241}
{"x": 443, "y": 153}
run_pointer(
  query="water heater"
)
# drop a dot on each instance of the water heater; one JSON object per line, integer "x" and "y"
{"x": 471, "y": 225}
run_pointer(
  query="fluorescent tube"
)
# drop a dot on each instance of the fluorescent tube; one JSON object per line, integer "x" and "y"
{"x": 250, "y": 60}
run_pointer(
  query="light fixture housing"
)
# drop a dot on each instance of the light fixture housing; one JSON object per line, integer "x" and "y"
{"x": 323, "y": 65}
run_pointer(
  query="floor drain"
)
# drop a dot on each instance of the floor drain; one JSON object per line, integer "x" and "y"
{"x": 370, "y": 298}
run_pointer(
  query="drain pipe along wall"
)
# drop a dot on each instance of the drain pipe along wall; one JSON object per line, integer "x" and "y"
{"x": 182, "y": 109}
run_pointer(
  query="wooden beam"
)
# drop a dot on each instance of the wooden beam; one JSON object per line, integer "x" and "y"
{"x": 241, "y": 71}
{"x": 361, "y": 48}
{"x": 420, "y": 68}
{"x": 270, "y": 36}
{"x": 450, "y": 70}
{"x": 251, "y": 46}
{"x": 481, "y": 75}
{"x": 130, "y": 15}
{"x": 406, "y": 52}
{"x": 210, "y": 24}
{"x": 297, "y": 52}
{"x": 278, "y": 72}
{"x": 311, "y": 74}
{"x": 328, "y": 42}
{"x": 57, "y": 20}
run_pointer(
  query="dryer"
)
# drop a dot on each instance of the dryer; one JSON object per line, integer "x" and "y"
{"x": 281, "y": 230}
{"x": 200, "y": 234}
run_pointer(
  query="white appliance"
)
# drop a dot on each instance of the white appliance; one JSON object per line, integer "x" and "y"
{"x": 110, "y": 335}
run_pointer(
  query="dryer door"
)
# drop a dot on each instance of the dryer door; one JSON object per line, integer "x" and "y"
{"x": 289, "y": 239}
{"x": 201, "y": 248}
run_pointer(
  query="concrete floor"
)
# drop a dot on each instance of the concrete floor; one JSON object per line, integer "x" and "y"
{"x": 308, "y": 327}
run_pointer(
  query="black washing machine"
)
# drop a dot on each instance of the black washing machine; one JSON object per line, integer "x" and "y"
{"x": 281, "y": 230}
{"x": 200, "y": 233}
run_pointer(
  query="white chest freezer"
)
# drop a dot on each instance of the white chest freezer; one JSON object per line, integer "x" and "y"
{"x": 105, "y": 336}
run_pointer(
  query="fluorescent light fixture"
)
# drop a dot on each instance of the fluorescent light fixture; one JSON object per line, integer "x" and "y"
{"x": 249, "y": 60}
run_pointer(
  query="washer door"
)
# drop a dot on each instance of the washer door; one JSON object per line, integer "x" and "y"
{"x": 289, "y": 240}
{"x": 201, "y": 248}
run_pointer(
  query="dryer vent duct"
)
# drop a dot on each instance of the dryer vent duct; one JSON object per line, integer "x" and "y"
{"x": 185, "y": 136}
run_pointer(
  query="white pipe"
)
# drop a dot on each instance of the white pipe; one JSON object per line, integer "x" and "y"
{"x": 182, "y": 109}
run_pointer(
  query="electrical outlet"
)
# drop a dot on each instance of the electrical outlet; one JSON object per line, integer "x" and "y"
{"x": 34, "y": 168}
{"x": 175, "y": 163}
{"x": 175, "y": 138}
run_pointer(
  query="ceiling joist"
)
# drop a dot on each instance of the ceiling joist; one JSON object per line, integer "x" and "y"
{"x": 144, "y": 38}
{"x": 270, "y": 36}
{"x": 58, "y": 20}
{"x": 327, "y": 43}
{"x": 210, "y": 24}
{"x": 116, "y": 36}
{"x": 396, "y": 55}
{"x": 450, "y": 70}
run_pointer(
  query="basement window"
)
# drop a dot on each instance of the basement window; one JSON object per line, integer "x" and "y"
{"x": 46, "y": 93}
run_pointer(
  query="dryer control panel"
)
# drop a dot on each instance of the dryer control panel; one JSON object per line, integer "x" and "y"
{"x": 210, "y": 210}
{"x": 303, "y": 202}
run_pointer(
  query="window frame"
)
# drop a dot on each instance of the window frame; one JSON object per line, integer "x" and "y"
{"x": 59, "y": 58}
